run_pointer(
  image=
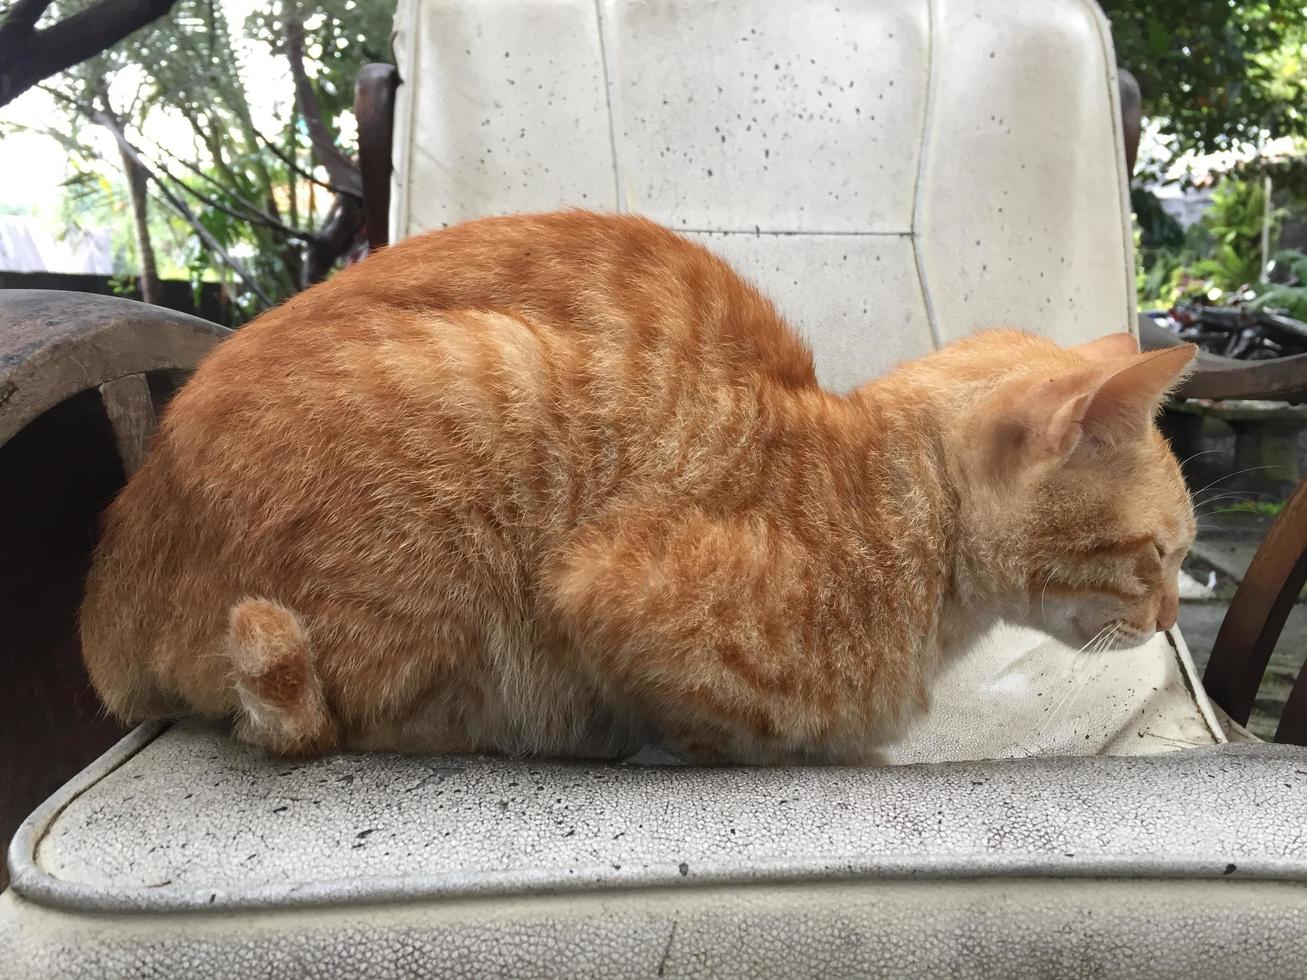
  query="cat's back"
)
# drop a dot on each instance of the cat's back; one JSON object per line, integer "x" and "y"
{"x": 487, "y": 328}
{"x": 618, "y": 276}
{"x": 442, "y": 383}
{"x": 628, "y": 295}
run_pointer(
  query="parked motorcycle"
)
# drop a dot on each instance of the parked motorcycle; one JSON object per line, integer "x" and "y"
{"x": 1239, "y": 332}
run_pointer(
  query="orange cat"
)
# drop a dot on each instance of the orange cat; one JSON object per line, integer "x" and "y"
{"x": 566, "y": 484}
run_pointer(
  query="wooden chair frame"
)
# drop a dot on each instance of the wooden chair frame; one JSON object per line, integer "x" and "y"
{"x": 82, "y": 379}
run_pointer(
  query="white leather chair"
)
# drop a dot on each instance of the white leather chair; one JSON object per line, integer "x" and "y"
{"x": 896, "y": 173}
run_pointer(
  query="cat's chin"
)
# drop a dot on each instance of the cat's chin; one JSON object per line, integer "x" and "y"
{"x": 1096, "y": 638}
{"x": 1128, "y": 639}
{"x": 1071, "y": 632}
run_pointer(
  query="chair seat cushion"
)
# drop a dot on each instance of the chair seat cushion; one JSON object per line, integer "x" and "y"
{"x": 1018, "y": 693}
{"x": 171, "y": 855}
{"x": 190, "y": 818}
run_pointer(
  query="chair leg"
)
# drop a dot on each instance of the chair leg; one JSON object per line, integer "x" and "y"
{"x": 374, "y": 107}
{"x": 1256, "y": 617}
{"x": 1293, "y": 721}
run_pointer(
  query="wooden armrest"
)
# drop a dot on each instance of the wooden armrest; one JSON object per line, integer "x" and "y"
{"x": 1255, "y": 619}
{"x": 374, "y": 108}
{"x": 54, "y": 345}
{"x": 81, "y": 380}
{"x": 1281, "y": 379}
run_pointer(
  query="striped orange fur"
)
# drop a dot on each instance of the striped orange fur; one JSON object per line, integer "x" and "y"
{"x": 566, "y": 483}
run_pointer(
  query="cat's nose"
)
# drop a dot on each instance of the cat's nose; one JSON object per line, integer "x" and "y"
{"x": 1166, "y": 616}
{"x": 1167, "y": 612}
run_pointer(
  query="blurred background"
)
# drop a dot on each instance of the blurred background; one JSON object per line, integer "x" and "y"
{"x": 205, "y": 161}
{"x": 214, "y": 145}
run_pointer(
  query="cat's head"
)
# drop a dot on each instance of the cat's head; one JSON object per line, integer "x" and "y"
{"x": 1073, "y": 503}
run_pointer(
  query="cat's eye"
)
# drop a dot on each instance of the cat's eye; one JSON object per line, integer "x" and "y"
{"x": 1161, "y": 551}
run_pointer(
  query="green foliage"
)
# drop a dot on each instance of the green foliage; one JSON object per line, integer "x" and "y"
{"x": 1288, "y": 292}
{"x": 1225, "y": 271}
{"x": 96, "y": 197}
{"x": 1220, "y": 72}
{"x": 250, "y": 190}
{"x": 342, "y": 35}
{"x": 1163, "y": 277}
{"x": 1219, "y": 256}
{"x": 1165, "y": 263}
{"x": 1266, "y": 508}
{"x": 1236, "y": 219}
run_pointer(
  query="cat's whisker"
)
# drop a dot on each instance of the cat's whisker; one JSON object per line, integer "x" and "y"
{"x": 1233, "y": 494}
{"x": 1043, "y": 615}
{"x": 1087, "y": 650}
{"x": 1225, "y": 492}
{"x": 1219, "y": 507}
{"x": 1231, "y": 476}
{"x": 1100, "y": 642}
{"x": 1205, "y": 506}
{"x": 1219, "y": 510}
{"x": 1205, "y": 452}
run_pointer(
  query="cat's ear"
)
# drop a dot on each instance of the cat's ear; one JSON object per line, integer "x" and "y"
{"x": 1109, "y": 348}
{"x": 1117, "y": 402}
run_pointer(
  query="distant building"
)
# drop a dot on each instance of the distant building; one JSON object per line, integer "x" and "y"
{"x": 26, "y": 246}
{"x": 1185, "y": 204}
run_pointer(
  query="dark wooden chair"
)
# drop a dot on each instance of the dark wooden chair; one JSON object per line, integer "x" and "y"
{"x": 1281, "y": 379}
{"x": 1255, "y": 619}
{"x": 82, "y": 378}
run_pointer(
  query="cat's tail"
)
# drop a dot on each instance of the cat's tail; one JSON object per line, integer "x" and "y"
{"x": 282, "y": 708}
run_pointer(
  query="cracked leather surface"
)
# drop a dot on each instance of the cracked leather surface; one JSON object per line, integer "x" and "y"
{"x": 956, "y": 929}
{"x": 195, "y": 818}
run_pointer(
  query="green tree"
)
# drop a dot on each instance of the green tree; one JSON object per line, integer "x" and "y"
{"x": 1220, "y": 72}
{"x": 31, "y": 51}
{"x": 272, "y": 211}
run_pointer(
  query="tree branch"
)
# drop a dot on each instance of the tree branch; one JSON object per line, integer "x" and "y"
{"x": 252, "y": 212}
{"x": 251, "y": 217}
{"x": 334, "y": 239}
{"x": 281, "y": 155}
{"x": 22, "y": 18}
{"x": 344, "y": 173}
{"x": 178, "y": 205}
{"x": 27, "y": 55}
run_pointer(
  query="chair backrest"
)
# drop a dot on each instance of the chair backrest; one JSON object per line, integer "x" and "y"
{"x": 894, "y": 173}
